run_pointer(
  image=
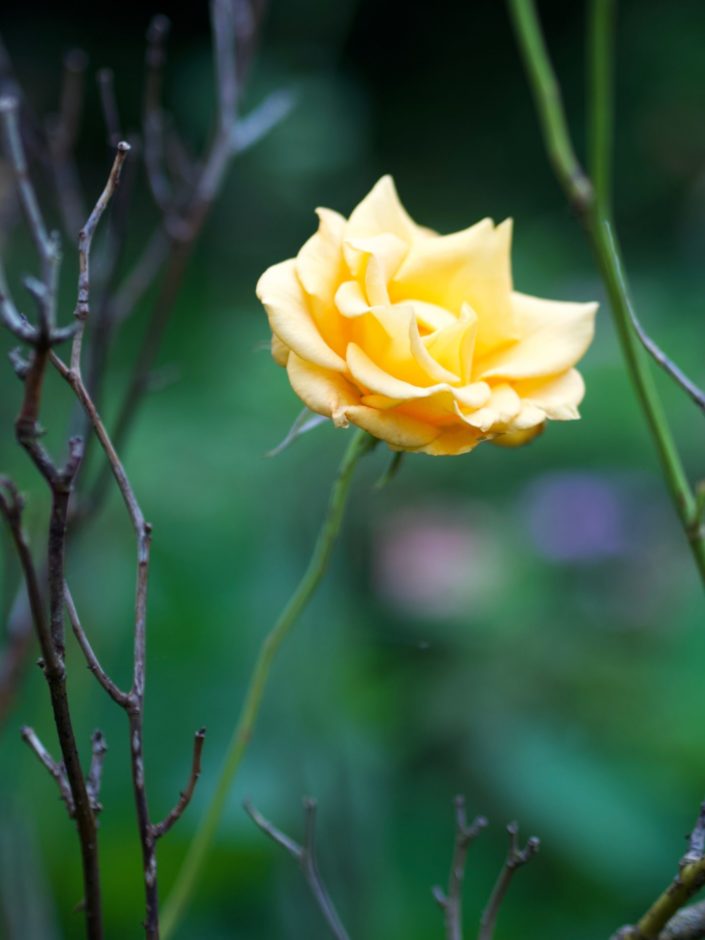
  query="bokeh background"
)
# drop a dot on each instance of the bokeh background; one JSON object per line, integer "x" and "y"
{"x": 524, "y": 627}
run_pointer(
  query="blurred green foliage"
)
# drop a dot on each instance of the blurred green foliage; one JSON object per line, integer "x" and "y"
{"x": 552, "y": 676}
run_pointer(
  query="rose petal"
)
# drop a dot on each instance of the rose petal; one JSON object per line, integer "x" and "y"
{"x": 470, "y": 267}
{"x": 554, "y": 336}
{"x": 331, "y": 394}
{"x": 290, "y": 319}
{"x": 319, "y": 263}
{"x": 557, "y": 397}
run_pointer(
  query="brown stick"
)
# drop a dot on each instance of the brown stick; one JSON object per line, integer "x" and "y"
{"x": 451, "y": 901}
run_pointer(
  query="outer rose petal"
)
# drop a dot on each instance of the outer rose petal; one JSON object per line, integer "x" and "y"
{"x": 280, "y": 351}
{"x": 452, "y": 442}
{"x": 557, "y": 397}
{"x": 284, "y": 300}
{"x": 554, "y": 336}
{"x": 381, "y": 213}
{"x": 518, "y": 438}
{"x": 319, "y": 263}
{"x": 330, "y": 394}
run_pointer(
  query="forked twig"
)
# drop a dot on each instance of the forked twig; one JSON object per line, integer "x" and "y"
{"x": 305, "y": 856}
{"x": 451, "y": 901}
{"x": 516, "y": 857}
{"x": 57, "y": 771}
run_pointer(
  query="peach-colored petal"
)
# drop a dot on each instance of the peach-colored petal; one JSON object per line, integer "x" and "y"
{"x": 517, "y": 438}
{"x": 381, "y": 213}
{"x": 453, "y": 344}
{"x": 557, "y": 397}
{"x": 324, "y": 391}
{"x": 280, "y": 290}
{"x": 554, "y": 336}
{"x": 329, "y": 393}
{"x": 319, "y": 263}
{"x": 280, "y": 351}
{"x": 470, "y": 267}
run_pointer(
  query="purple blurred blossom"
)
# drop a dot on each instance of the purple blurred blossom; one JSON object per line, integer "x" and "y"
{"x": 577, "y": 517}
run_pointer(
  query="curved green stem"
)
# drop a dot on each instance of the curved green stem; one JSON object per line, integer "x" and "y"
{"x": 187, "y": 879}
{"x": 594, "y": 212}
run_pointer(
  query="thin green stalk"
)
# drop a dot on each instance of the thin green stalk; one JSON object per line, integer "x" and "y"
{"x": 187, "y": 879}
{"x": 593, "y": 211}
{"x": 601, "y": 22}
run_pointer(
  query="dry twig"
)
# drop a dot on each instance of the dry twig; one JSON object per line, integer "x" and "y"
{"x": 305, "y": 856}
{"x": 451, "y": 901}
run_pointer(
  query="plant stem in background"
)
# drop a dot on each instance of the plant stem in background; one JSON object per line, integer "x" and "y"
{"x": 591, "y": 205}
{"x": 601, "y": 22}
{"x": 360, "y": 444}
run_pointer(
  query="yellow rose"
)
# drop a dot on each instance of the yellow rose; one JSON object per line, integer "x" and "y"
{"x": 419, "y": 338}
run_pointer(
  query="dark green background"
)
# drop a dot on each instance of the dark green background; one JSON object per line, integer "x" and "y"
{"x": 563, "y": 690}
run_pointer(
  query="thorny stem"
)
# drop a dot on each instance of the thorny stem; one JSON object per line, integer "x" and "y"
{"x": 580, "y": 192}
{"x": 306, "y": 857}
{"x": 360, "y": 444}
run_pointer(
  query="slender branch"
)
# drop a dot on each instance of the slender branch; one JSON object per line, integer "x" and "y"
{"x": 55, "y": 770}
{"x": 115, "y": 693}
{"x": 667, "y": 364}
{"x": 53, "y": 667}
{"x": 601, "y": 25}
{"x": 306, "y": 857}
{"x": 360, "y": 444}
{"x": 451, "y": 902}
{"x": 608, "y": 255}
{"x": 95, "y": 774}
{"x": 516, "y": 857}
{"x": 184, "y": 230}
{"x": 153, "y": 114}
{"x": 85, "y": 242}
{"x": 161, "y": 829}
{"x": 44, "y": 243}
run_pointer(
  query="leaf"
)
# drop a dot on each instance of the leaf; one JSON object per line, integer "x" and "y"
{"x": 305, "y": 421}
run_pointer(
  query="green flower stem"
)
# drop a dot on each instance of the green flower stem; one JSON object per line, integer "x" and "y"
{"x": 594, "y": 212}
{"x": 601, "y": 23}
{"x": 187, "y": 879}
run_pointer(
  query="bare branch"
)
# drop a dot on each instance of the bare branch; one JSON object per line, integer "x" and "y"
{"x": 56, "y": 770}
{"x": 98, "y": 751}
{"x": 516, "y": 857}
{"x": 46, "y": 248}
{"x": 153, "y": 114}
{"x": 306, "y": 858}
{"x": 115, "y": 693}
{"x": 452, "y": 902}
{"x": 223, "y": 30}
{"x": 252, "y": 127}
{"x": 161, "y": 829}
{"x": 85, "y": 241}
